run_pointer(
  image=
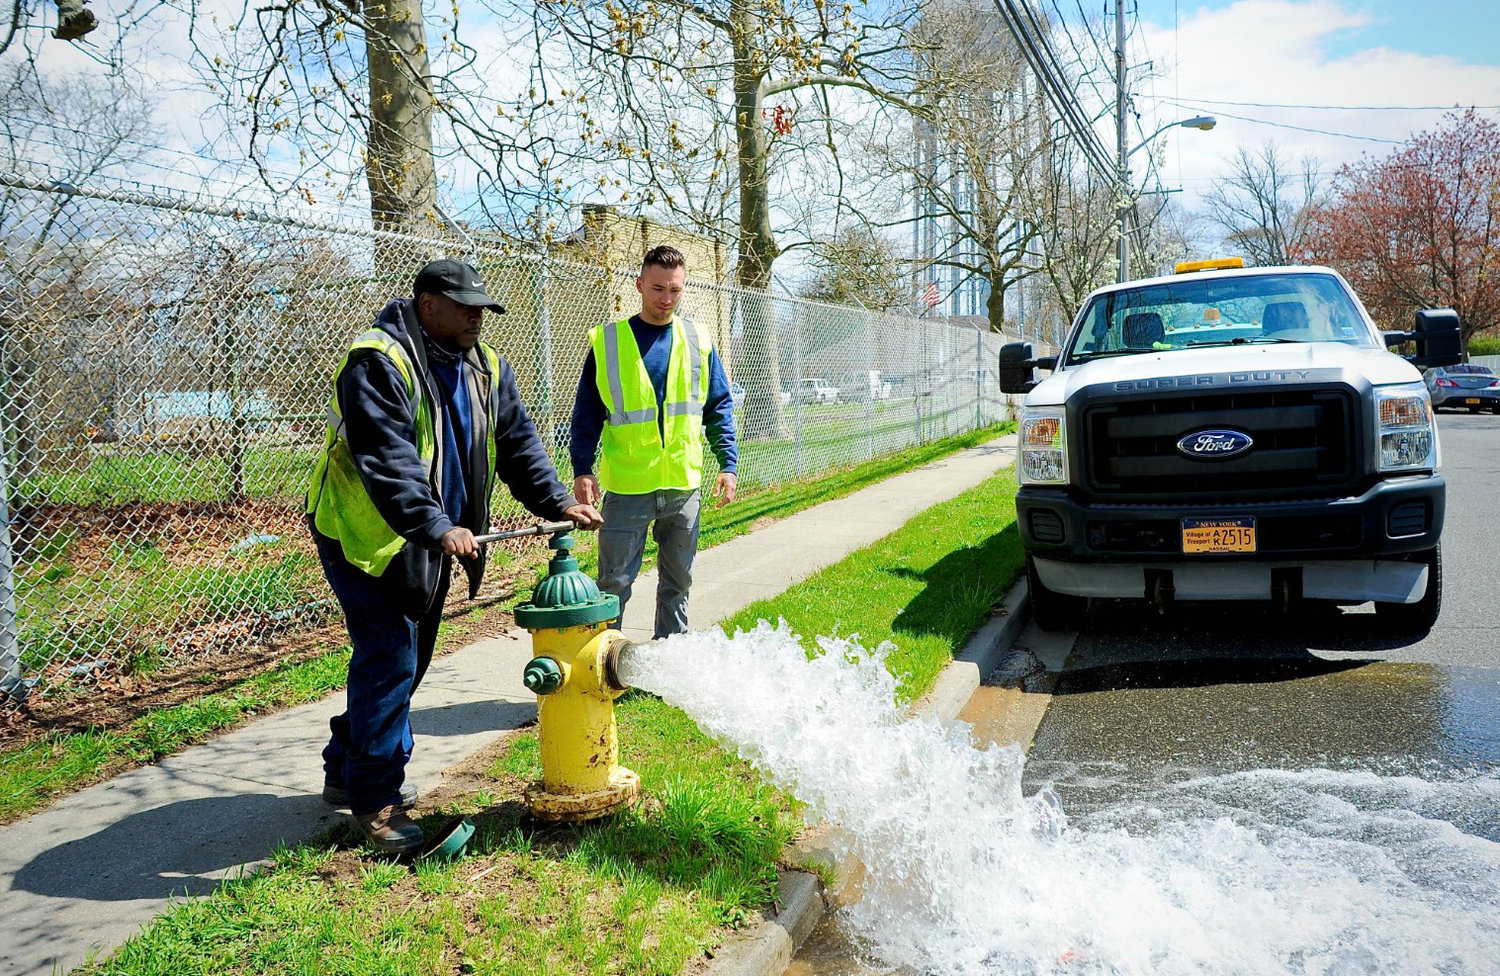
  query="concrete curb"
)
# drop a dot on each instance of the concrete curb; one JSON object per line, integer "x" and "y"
{"x": 767, "y": 949}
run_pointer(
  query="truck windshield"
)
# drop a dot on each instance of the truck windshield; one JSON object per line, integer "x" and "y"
{"x": 1218, "y": 311}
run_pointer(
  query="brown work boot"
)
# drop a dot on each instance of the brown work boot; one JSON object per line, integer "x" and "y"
{"x": 390, "y": 830}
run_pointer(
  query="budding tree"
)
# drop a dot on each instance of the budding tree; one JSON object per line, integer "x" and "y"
{"x": 682, "y": 108}
{"x": 1420, "y": 227}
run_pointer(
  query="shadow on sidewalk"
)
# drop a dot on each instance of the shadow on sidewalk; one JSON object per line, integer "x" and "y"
{"x": 470, "y": 718}
{"x": 175, "y": 849}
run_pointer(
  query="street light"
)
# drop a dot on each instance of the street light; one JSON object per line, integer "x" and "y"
{"x": 1203, "y": 122}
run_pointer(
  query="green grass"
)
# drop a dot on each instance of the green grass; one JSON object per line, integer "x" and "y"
{"x": 925, "y": 587}
{"x": 720, "y": 524}
{"x": 644, "y": 892}
{"x": 132, "y": 475}
{"x": 31, "y": 776}
{"x": 142, "y": 598}
{"x": 1484, "y": 345}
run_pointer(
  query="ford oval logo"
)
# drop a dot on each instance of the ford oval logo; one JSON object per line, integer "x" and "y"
{"x": 1215, "y": 445}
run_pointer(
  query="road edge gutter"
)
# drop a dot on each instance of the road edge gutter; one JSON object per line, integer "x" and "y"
{"x": 767, "y": 948}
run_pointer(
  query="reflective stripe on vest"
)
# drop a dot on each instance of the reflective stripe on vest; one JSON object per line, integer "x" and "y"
{"x": 618, "y": 415}
{"x": 641, "y": 452}
{"x": 336, "y": 498}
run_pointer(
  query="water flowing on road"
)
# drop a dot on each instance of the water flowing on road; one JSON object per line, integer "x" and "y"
{"x": 1257, "y": 873}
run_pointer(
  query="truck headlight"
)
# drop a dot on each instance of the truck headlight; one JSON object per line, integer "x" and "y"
{"x": 1044, "y": 447}
{"x": 1403, "y": 418}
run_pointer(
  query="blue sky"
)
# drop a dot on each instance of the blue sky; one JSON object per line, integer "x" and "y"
{"x": 1464, "y": 29}
{"x": 1356, "y": 58}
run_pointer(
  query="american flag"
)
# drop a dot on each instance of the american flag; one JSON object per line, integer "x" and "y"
{"x": 930, "y": 297}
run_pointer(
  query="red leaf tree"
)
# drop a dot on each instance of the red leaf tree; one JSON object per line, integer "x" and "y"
{"x": 1421, "y": 227}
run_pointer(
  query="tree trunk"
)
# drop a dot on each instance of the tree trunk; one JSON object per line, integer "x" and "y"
{"x": 398, "y": 165}
{"x": 995, "y": 304}
{"x": 759, "y": 366}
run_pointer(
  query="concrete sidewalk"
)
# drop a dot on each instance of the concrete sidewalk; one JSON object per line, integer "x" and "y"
{"x": 94, "y": 867}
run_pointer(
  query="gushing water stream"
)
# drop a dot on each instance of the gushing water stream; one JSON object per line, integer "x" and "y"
{"x": 1254, "y": 873}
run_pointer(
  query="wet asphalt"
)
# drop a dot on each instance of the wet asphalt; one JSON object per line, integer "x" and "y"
{"x": 1221, "y": 688}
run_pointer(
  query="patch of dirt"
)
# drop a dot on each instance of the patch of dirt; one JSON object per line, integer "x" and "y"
{"x": 106, "y": 698}
{"x": 185, "y": 529}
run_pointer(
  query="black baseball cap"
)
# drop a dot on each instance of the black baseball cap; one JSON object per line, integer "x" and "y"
{"x": 455, "y": 280}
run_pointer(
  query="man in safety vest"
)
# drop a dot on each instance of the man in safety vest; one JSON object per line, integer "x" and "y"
{"x": 423, "y": 418}
{"x": 651, "y": 386}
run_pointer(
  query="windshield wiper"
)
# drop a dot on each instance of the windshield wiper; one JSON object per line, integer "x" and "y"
{"x": 1079, "y": 357}
{"x": 1242, "y": 341}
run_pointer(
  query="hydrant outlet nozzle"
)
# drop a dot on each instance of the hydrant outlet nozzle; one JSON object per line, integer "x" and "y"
{"x": 542, "y": 676}
{"x": 612, "y": 655}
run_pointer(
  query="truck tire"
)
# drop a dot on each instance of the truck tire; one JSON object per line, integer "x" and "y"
{"x": 1051, "y": 610}
{"x": 1419, "y": 617}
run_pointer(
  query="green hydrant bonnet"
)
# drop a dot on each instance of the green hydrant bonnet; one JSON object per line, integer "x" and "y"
{"x": 566, "y": 596}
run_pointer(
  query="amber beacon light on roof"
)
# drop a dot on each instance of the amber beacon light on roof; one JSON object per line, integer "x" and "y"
{"x": 1212, "y": 264}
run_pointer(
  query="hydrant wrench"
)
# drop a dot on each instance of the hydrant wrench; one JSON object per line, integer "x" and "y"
{"x": 545, "y": 528}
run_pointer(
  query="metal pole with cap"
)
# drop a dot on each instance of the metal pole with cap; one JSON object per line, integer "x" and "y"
{"x": 11, "y": 681}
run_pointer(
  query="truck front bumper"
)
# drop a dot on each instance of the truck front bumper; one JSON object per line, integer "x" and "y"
{"x": 1347, "y": 549}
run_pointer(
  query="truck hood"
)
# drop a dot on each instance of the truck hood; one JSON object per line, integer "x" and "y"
{"x": 1269, "y": 364}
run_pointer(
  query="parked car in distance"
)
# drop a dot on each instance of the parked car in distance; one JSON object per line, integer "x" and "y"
{"x": 1464, "y": 386}
{"x": 817, "y": 390}
{"x": 737, "y": 395}
{"x": 865, "y": 384}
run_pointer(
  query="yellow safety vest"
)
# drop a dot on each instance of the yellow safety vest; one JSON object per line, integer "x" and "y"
{"x": 640, "y": 452}
{"x": 336, "y": 497}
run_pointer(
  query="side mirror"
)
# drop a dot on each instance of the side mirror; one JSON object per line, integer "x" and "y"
{"x": 1017, "y": 368}
{"x": 1436, "y": 331}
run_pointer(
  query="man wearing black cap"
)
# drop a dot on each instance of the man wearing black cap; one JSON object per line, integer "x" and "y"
{"x": 422, "y": 420}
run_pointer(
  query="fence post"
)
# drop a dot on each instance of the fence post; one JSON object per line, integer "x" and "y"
{"x": 978, "y": 379}
{"x": 11, "y": 682}
{"x": 542, "y": 354}
{"x": 872, "y": 382}
{"x": 797, "y": 384}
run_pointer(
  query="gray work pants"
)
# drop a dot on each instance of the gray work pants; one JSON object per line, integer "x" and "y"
{"x": 673, "y": 518}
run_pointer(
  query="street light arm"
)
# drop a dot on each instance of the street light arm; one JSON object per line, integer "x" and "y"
{"x": 1204, "y": 122}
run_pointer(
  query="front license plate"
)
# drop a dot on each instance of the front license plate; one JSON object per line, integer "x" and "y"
{"x": 1471, "y": 401}
{"x": 1218, "y": 535}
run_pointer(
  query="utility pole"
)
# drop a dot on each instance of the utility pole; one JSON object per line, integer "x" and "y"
{"x": 1122, "y": 201}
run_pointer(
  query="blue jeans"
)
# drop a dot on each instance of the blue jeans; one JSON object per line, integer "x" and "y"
{"x": 672, "y": 516}
{"x": 372, "y": 741}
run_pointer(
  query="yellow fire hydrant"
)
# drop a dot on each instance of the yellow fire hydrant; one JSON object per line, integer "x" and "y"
{"x": 572, "y": 673}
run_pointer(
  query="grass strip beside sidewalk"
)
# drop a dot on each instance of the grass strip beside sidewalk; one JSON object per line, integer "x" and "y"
{"x": 36, "y": 772}
{"x": 647, "y": 892}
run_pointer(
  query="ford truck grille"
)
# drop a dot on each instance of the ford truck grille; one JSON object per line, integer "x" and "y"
{"x": 1304, "y": 441}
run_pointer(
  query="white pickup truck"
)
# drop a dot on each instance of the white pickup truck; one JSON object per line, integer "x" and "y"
{"x": 1232, "y": 434}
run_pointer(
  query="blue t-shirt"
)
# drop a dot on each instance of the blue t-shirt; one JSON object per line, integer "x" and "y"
{"x": 456, "y": 434}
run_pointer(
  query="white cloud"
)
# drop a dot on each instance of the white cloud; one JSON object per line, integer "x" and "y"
{"x": 1281, "y": 51}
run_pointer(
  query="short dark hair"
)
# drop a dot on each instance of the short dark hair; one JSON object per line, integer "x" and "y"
{"x": 664, "y": 256}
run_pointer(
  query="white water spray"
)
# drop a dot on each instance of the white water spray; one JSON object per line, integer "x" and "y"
{"x": 1257, "y": 873}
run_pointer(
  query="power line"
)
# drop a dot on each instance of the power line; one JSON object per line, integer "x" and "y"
{"x": 1057, "y": 91}
{"x": 1288, "y": 125}
{"x": 1349, "y": 108}
{"x": 1084, "y": 72}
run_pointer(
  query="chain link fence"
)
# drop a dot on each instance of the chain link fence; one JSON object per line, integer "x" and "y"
{"x": 164, "y": 368}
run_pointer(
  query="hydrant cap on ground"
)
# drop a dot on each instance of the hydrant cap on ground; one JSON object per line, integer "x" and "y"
{"x": 566, "y": 597}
